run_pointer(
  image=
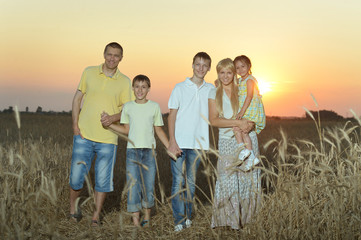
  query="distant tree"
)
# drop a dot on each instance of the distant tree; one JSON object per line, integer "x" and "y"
{"x": 325, "y": 115}
{"x": 9, "y": 110}
{"x": 39, "y": 109}
{"x": 27, "y": 109}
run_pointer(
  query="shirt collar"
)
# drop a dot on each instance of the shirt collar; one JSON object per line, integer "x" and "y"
{"x": 101, "y": 71}
{"x": 189, "y": 82}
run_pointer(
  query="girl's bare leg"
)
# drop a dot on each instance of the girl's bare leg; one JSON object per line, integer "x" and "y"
{"x": 238, "y": 135}
{"x": 247, "y": 140}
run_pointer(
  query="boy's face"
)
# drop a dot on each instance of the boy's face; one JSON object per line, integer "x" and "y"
{"x": 201, "y": 67}
{"x": 141, "y": 90}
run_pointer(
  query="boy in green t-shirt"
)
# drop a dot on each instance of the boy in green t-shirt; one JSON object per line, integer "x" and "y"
{"x": 139, "y": 119}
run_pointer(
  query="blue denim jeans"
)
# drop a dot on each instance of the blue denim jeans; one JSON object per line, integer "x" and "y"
{"x": 84, "y": 151}
{"x": 183, "y": 185}
{"x": 141, "y": 170}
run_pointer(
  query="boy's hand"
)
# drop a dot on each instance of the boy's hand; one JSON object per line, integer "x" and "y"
{"x": 105, "y": 119}
{"x": 173, "y": 150}
{"x": 172, "y": 155}
{"x": 238, "y": 116}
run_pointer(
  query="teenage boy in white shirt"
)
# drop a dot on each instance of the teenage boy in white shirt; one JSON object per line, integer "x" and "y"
{"x": 188, "y": 135}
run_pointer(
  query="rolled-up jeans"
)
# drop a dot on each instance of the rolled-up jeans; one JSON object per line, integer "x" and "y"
{"x": 141, "y": 170}
{"x": 183, "y": 185}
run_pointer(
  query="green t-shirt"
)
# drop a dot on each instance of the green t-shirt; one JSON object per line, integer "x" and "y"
{"x": 141, "y": 119}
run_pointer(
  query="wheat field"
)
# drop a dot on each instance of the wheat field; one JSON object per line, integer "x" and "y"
{"x": 311, "y": 180}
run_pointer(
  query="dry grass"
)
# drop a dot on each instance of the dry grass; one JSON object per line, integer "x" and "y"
{"x": 311, "y": 180}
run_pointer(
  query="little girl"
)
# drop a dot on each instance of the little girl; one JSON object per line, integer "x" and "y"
{"x": 251, "y": 108}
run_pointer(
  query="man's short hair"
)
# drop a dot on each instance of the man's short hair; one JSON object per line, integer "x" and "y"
{"x": 114, "y": 45}
{"x": 204, "y": 56}
{"x": 141, "y": 78}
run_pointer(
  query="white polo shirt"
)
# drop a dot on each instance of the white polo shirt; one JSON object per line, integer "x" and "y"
{"x": 191, "y": 129}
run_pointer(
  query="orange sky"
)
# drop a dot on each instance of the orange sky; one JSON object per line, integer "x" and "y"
{"x": 297, "y": 47}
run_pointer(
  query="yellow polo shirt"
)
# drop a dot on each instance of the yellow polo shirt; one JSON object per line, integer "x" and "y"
{"x": 101, "y": 93}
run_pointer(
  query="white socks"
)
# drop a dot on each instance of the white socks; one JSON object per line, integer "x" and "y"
{"x": 246, "y": 155}
{"x": 250, "y": 162}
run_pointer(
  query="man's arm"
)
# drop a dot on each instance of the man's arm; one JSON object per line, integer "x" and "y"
{"x": 173, "y": 146}
{"x": 78, "y": 97}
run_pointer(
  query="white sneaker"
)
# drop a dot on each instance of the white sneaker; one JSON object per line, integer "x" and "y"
{"x": 244, "y": 154}
{"x": 249, "y": 163}
{"x": 188, "y": 223}
{"x": 178, "y": 228}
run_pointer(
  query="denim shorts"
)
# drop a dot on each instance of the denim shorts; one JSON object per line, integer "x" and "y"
{"x": 84, "y": 151}
{"x": 141, "y": 170}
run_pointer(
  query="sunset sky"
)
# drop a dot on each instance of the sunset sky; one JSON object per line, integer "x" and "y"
{"x": 297, "y": 48}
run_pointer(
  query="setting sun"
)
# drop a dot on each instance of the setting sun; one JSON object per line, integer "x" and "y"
{"x": 264, "y": 86}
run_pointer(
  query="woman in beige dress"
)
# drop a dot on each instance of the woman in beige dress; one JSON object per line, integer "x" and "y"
{"x": 237, "y": 193}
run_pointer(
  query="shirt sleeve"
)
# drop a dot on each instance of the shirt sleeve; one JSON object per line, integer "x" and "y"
{"x": 158, "y": 119}
{"x": 124, "y": 118}
{"x": 127, "y": 94}
{"x": 82, "y": 83}
{"x": 212, "y": 94}
{"x": 173, "y": 102}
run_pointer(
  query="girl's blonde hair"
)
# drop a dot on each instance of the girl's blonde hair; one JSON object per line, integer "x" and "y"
{"x": 227, "y": 64}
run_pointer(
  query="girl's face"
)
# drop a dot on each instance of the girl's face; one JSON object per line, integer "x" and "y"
{"x": 242, "y": 69}
{"x": 226, "y": 76}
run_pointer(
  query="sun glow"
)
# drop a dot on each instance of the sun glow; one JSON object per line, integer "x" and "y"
{"x": 264, "y": 86}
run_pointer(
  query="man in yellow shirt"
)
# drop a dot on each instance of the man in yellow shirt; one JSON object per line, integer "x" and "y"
{"x": 101, "y": 88}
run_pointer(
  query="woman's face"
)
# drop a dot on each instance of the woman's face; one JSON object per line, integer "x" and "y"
{"x": 242, "y": 69}
{"x": 226, "y": 76}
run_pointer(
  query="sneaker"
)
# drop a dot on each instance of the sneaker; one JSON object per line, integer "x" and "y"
{"x": 249, "y": 163}
{"x": 244, "y": 154}
{"x": 188, "y": 223}
{"x": 178, "y": 228}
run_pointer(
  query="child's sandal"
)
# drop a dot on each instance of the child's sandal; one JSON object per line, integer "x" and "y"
{"x": 144, "y": 223}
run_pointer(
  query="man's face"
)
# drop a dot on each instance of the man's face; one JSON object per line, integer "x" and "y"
{"x": 201, "y": 67}
{"x": 112, "y": 57}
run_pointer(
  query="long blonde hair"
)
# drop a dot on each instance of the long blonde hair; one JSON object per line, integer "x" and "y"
{"x": 227, "y": 64}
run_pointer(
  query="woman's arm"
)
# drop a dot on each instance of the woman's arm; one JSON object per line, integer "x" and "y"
{"x": 214, "y": 119}
{"x": 247, "y": 101}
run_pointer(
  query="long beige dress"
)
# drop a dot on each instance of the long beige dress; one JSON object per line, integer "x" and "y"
{"x": 237, "y": 194}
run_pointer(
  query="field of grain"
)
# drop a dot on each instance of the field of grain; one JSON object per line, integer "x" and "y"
{"x": 311, "y": 178}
